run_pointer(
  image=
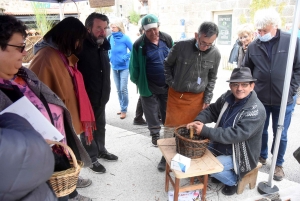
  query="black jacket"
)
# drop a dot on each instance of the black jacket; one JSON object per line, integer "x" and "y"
{"x": 95, "y": 68}
{"x": 185, "y": 64}
{"x": 270, "y": 74}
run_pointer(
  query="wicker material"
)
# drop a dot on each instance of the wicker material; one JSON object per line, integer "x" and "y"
{"x": 64, "y": 182}
{"x": 101, "y": 3}
{"x": 191, "y": 148}
{"x": 30, "y": 42}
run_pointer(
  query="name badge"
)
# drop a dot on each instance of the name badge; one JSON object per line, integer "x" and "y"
{"x": 199, "y": 80}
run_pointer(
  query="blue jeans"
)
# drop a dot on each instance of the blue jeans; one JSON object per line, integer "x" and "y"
{"x": 274, "y": 109}
{"x": 227, "y": 176}
{"x": 121, "y": 81}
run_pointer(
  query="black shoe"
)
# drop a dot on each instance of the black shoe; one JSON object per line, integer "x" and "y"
{"x": 139, "y": 122}
{"x": 214, "y": 180}
{"x": 155, "y": 137}
{"x": 108, "y": 156}
{"x": 162, "y": 164}
{"x": 98, "y": 168}
{"x": 229, "y": 190}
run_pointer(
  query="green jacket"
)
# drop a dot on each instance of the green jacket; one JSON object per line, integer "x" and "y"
{"x": 137, "y": 66}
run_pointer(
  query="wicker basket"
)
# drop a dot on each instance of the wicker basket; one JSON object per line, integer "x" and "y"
{"x": 30, "y": 42}
{"x": 64, "y": 182}
{"x": 191, "y": 148}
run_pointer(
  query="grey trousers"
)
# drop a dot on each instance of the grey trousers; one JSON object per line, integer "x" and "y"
{"x": 151, "y": 106}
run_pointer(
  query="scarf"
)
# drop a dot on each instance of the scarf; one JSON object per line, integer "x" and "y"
{"x": 86, "y": 113}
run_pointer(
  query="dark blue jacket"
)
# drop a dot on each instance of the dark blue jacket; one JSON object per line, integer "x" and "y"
{"x": 270, "y": 71}
{"x": 27, "y": 161}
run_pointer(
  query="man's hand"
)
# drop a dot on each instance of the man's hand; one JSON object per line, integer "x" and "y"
{"x": 205, "y": 105}
{"x": 197, "y": 125}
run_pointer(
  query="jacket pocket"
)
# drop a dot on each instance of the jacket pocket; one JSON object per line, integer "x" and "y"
{"x": 207, "y": 64}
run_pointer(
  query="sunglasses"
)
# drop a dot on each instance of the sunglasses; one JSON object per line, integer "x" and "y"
{"x": 21, "y": 47}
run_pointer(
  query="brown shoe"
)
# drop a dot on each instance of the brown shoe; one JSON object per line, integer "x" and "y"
{"x": 278, "y": 173}
{"x": 123, "y": 115}
{"x": 118, "y": 113}
{"x": 262, "y": 160}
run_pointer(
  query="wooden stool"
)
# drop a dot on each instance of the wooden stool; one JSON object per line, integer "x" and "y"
{"x": 249, "y": 178}
{"x": 203, "y": 166}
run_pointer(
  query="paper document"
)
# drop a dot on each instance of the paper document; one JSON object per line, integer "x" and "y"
{"x": 186, "y": 196}
{"x": 27, "y": 110}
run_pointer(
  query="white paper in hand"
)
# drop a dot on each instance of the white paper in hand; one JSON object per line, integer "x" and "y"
{"x": 27, "y": 110}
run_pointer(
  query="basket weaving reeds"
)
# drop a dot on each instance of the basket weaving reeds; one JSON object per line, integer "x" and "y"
{"x": 189, "y": 145}
{"x": 64, "y": 182}
{"x": 30, "y": 42}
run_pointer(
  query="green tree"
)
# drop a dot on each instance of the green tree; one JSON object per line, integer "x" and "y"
{"x": 261, "y": 4}
{"x": 134, "y": 17}
{"x": 42, "y": 23}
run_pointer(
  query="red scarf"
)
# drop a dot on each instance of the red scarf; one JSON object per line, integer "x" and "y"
{"x": 87, "y": 117}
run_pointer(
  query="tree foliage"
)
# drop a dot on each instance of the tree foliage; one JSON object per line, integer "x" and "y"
{"x": 42, "y": 23}
{"x": 134, "y": 17}
{"x": 261, "y": 4}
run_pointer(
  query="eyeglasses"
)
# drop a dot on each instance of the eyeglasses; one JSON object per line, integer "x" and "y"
{"x": 21, "y": 47}
{"x": 236, "y": 85}
{"x": 206, "y": 45}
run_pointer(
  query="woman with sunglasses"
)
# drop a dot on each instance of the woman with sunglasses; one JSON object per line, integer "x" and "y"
{"x": 17, "y": 81}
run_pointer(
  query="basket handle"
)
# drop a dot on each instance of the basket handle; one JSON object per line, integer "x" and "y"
{"x": 191, "y": 132}
{"x": 69, "y": 150}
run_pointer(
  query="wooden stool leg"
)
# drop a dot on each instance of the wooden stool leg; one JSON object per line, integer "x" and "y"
{"x": 253, "y": 179}
{"x": 192, "y": 180}
{"x": 205, "y": 179}
{"x": 176, "y": 189}
{"x": 167, "y": 182}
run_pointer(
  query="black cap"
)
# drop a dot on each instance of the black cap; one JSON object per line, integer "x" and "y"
{"x": 242, "y": 74}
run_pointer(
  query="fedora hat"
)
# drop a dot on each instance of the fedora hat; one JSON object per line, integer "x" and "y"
{"x": 242, "y": 74}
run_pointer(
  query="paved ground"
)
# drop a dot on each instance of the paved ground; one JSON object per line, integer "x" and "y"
{"x": 135, "y": 177}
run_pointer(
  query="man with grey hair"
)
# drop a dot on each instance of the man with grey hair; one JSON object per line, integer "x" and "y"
{"x": 267, "y": 59}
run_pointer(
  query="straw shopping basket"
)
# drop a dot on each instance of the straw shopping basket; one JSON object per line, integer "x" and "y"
{"x": 188, "y": 144}
{"x": 64, "y": 182}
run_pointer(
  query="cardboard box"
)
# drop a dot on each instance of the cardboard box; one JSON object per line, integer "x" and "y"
{"x": 180, "y": 163}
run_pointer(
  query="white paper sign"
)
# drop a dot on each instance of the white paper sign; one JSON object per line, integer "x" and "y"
{"x": 27, "y": 110}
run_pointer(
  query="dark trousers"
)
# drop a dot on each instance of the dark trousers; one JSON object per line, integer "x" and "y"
{"x": 139, "y": 110}
{"x": 151, "y": 106}
{"x": 97, "y": 147}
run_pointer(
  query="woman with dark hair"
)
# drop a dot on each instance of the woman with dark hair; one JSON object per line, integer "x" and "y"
{"x": 55, "y": 64}
{"x": 16, "y": 82}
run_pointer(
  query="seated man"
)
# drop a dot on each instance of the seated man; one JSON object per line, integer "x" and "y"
{"x": 236, "y": 138}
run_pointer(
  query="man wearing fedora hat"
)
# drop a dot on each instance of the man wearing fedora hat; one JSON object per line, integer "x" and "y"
{"x": 236, "y": 137}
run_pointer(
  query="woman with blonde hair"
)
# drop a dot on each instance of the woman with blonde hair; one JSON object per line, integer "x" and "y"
{"x": 246, "y": 36}
{"x": 119, "y": 59}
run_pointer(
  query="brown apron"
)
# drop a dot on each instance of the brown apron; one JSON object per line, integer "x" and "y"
{"x": 182, "y": 108}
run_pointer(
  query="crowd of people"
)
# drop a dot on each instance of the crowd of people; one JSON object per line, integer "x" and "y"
{"x": 68, "y": 81}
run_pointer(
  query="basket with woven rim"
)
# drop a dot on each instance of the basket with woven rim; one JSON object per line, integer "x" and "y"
{"x": 188, "y": 144}
{"x": 64, "y": 182}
